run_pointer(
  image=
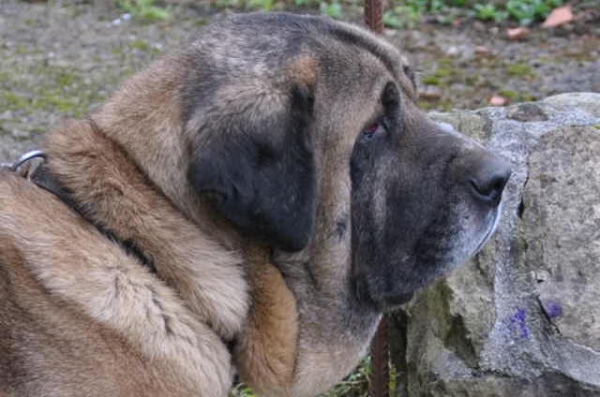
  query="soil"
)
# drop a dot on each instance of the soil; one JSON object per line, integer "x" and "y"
{"x": 61, "y": 58}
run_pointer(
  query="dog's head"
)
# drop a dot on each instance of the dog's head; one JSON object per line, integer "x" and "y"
{"x": 304, "y": 116}
{"x": 303, "y": 133}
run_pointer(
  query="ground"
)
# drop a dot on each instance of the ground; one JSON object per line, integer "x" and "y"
{"x": 61, "y": 58}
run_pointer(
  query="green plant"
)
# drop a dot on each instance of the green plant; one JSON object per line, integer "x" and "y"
{"x": 241, "y": 390}
{"x": 489, "y": 12}
{"x": 528, "y": 11}
{"x": 264, "y": 5}
{"x": 333, "y": 9}
{"x": 145, "y": 9}
{"x": 307, "y": 3}
{"x": 409, "y": 13}
{"x": 354, "y": 385}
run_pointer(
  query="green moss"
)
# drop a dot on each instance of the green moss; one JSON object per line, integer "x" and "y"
{"x": 449, "y": 327}
{"x": 37, "y": 130}
{"x": 140, "y": 45}
{"x": 4, "y": 77}
{"x": 201, "y": 22}
{"x": 53, "y": 101}
{"x": 118, "y": 52}
{"x": 431, "y": 80}
{"x": 22, "y": 49}
{"x": 65, "y": 79}
{"x": 143, "y": 46}
{"x": 32, "y": 23}
{"x": 442, "y": 104}
{"x": 509, "y": 94}
{"x": 58, "y": 90}
{"x": 445, "y": 74}
{"x": 515, "y": 96}
{"x": 14, "y": 101}
{"x": 520, "y": 70}
{"x": 446, "y": 62}
{"x": 473, "y": 79}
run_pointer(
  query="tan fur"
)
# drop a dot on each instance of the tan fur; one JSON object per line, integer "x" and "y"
{"x": 165, "y": 324}
{"x": 100, "y": 285}
{"x": 208, "y": 278}
{"x": 266, "y": 352}
{"x": 304, "y": 71}
{"x": 80, "y": 316}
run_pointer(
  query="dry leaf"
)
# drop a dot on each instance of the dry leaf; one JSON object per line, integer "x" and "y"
{"x": 517, "y": 33}
{"x": 430, "y": 93}
{"x": 482, "y": 50}
{"x": 559, "y": 16}
{"x": 498, "y": 100}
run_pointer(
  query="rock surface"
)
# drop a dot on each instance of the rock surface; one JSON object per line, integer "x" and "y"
{"x": 523, "y": 317}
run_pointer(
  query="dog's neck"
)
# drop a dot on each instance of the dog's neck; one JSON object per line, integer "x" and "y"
{"x": 106, "y": 187}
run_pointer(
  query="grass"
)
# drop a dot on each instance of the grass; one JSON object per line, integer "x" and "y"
{"x": 354, "y": 385}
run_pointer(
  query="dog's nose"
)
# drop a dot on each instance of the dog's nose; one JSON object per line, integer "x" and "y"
{"x": 489, "y": 179}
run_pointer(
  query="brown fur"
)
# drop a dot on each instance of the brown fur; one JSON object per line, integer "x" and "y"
{"x": 138, "y": 190}
{"x": 206, "y": 277}
{"x": 80, "y": 315}
{"x": 266, "y": 352}
{"x": 82, "y": 318}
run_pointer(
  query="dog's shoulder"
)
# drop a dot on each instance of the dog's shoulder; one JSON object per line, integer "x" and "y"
{"x": 43, "y": 338}
{"x": 31, "y": 215}
{"x": 80, "y": 316}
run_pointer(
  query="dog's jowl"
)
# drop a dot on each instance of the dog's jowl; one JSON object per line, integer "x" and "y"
{"x": 251, "y": 203}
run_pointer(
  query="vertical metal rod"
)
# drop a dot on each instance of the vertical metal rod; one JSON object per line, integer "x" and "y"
{"x": 374, "y": 15}
{"x": 380, "y": 375}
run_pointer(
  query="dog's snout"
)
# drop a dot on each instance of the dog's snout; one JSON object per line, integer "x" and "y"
{"x": 488, "y": 179}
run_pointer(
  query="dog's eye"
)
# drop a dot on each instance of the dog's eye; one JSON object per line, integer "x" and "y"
{"x": 374, "y": 130}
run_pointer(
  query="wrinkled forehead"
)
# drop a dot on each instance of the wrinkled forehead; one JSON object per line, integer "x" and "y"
{"x": 350, "y": 93}
{"x": 364, "y": 58}
{"x": 355, "y": 76}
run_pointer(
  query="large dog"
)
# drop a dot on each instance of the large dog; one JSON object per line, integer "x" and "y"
{"x": 254, "y": 201}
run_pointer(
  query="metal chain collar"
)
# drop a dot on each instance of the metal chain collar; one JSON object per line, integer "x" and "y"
{"x": 23, "y": 164}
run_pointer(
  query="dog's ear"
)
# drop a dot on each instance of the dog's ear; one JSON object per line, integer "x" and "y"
{"x": 258, "y": 169}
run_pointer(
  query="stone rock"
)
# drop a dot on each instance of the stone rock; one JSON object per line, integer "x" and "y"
{"x": 527, "y": 112}
{"x": 523, "y": 317}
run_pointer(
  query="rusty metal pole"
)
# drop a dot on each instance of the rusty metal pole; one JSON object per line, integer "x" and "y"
{"x": 374, "y": 15}
{"x": 380, "y": 375}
